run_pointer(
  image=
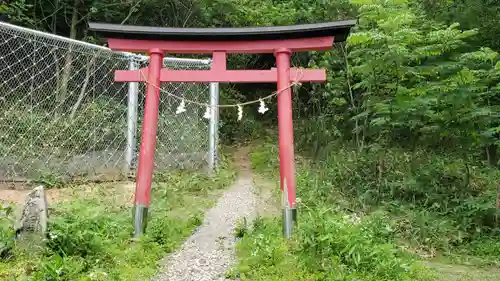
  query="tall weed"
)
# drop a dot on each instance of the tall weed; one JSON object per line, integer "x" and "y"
{"x": 431, "y": 201}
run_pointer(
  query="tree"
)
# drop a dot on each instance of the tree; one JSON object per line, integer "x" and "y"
{"x": 481, "y": 14}
{"x": 406, "y": 78}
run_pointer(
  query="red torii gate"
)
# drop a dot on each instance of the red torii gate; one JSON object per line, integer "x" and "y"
{"x": 282, "y": 41}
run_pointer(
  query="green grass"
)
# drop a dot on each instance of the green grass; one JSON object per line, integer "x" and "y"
{"x": 393, "y": 235}
{"x": 91, "y": 235}
{"x": 456, "y": 272}
{"x": 326, "y": 247}
{"x": 327, "y": 244}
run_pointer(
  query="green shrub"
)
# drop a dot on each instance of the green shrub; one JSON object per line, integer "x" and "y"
{"x": 95, "y": 126}
{"x": 326, "y": 247}
{"x": 436, "y": 201}
{"x": 86, "y": 228}
{"x": 90, "y": 238}
{"x": 441, "y": 185}
{"x": 169, "y": 231}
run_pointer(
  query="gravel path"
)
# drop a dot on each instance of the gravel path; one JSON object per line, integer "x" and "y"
{"x": 209, "y": 252}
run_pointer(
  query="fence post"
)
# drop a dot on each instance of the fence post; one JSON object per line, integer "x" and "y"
{"x": 133, "y": 92}
{"x": 213, "y": 137}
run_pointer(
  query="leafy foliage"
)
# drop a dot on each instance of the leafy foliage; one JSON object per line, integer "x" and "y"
{"x": 64, "y": 132}
{"x": 89, "y": 237}
{"x": 470, "y": 14}
{"x": 418, "y": 106}
{"x": 406, "y": 125}
{"x": 347, "y": 203}
{"x": 330, "y": 243}
{"x": 405, "y": 79}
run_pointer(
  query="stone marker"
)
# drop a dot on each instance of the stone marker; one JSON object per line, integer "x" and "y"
{"x": 31, "y": 221}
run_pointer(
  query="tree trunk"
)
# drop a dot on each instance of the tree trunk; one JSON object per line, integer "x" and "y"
{"x": 63, "y": 90}
{"x": 492, "y": 155}
{"x": 83, "y": 90}
{"x": 359, "y": 141}
{"x": 497, "y": 213}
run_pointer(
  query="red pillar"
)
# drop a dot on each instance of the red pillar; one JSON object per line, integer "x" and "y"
{"x": 285, "y": 134}
{"x": 148, "y": 143}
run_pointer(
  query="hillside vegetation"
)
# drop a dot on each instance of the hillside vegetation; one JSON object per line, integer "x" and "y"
{"x": 399, "y": 148}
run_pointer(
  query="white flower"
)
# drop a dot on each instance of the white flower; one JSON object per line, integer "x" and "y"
{"x": 354, "y": 219}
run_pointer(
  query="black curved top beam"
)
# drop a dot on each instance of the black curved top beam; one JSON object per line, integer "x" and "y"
{"x": 339, "y": 29}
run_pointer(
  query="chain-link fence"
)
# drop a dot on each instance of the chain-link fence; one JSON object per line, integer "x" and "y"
{"x": 63, "y": 116}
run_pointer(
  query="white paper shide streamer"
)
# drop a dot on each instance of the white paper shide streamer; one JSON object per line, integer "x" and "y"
{"x": 181, "y": 108}
{"x": 208, "y": 113}
{"x": 240, "y": 112}
{"x": 262, "y": 107}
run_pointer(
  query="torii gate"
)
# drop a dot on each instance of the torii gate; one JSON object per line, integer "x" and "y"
{"x": 282, "y": 41}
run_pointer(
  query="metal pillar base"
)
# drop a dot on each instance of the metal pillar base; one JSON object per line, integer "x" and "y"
{"x": 140, "y": 213}
{"x": 289, "y": 221}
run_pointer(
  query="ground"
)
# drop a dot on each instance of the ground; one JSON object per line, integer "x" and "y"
{"x": 123, "y": 193}
{"x": 90, "y": 228}
{"x": 456, "y": 272}
{"x": 208, "y": 254}
{"x": 265, "y": 182}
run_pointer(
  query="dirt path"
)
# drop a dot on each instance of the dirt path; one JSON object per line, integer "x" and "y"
{"x": 121, "y": 192}
{"x": 209, "y": 252}
{"x": 456, "y": 272}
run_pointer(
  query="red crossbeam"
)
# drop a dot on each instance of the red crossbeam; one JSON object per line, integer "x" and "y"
{"x": 223, "y": 76}
{"x": 249, "y": 47}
